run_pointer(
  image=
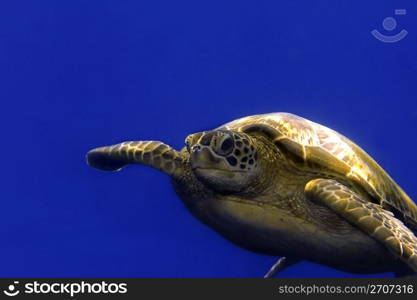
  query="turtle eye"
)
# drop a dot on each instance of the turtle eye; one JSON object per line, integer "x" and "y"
{"x": 226, "y": 146}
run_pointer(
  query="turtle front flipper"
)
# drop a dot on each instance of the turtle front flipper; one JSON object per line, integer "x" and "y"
{"x": 151, "y": 153}
{"x": 368, "y": 217}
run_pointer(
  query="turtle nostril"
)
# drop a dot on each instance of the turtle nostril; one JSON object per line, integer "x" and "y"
{"x": 196, "y": 148}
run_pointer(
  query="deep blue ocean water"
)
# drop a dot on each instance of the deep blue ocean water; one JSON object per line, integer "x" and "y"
{"x": 80, "y": 74}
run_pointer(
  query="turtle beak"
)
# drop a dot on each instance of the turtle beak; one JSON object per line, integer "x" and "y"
{"x": 202, "y": 157}
{"x": 201, "y": 154}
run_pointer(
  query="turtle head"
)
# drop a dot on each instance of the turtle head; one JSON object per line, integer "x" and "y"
{"x": 223, "y": 160}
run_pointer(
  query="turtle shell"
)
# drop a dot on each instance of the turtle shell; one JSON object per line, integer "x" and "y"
{"x": 312, "y": 146}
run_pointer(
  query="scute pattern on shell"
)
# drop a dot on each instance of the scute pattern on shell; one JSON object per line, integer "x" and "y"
{"x": 305, "y": 133}
{"x": 352, "y": 162}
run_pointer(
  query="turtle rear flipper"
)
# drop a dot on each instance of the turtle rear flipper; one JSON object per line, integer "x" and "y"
{"x": 151, "y": 153}
{"x": 281, "y": 264}
{"x": 368, "y": 217}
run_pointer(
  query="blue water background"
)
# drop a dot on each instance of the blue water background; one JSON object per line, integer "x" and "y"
{"x": 79, "y": 74}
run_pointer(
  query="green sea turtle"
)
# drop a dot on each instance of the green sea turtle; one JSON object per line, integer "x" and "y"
{"x": 282, "y": 185}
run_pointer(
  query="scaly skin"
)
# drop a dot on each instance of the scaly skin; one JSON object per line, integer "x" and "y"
{"x": 252, "y": 181}
{"x": 274, "y": 217}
